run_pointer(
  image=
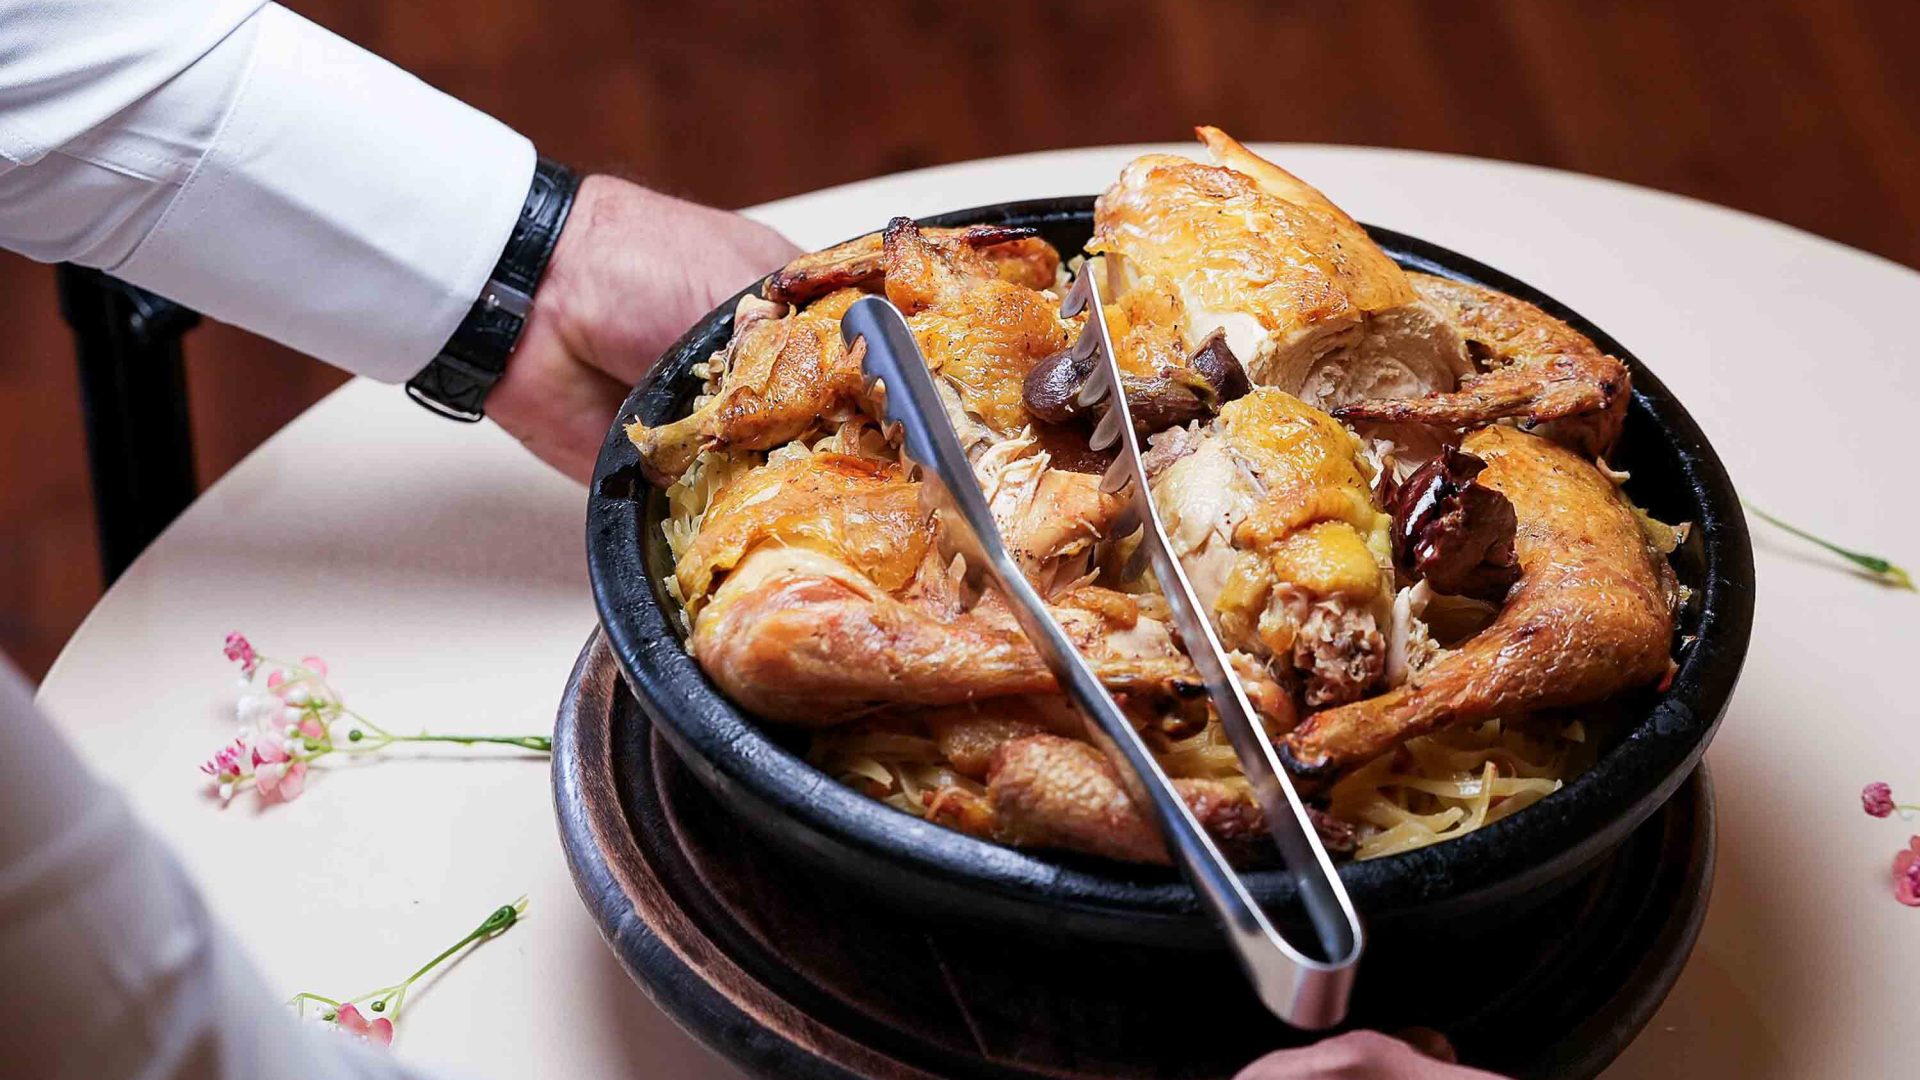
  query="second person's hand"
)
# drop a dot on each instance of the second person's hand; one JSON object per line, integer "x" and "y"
{"x": 632, "y": 270}
{"x": 1364, "y": 1055}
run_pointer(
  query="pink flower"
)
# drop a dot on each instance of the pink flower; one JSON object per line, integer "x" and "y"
{"x": 351, "y": 1022}
{"x": 276, "y": 773}
{"x": 315, "y": 665}
{"x": 284, "y": 780}
{"x": 1906, "y": 874}
{"x": 228, "y": 766}
{"x": 275, "y": 678}
{"x": 270, "y": 750}
{"x": 224, "y": 765}
{"x": 1877, "y": 799}
{"x": 240, "y": 651}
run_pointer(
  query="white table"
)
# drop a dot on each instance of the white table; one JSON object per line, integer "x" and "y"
{"x": 440, "y": 571}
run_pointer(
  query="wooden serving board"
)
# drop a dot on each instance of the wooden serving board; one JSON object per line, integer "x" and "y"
{"x": 792, "y": 973}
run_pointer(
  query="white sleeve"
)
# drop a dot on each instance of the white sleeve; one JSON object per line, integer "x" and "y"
{"x": 236, "y": 158}
{"x": 113, "y": 968}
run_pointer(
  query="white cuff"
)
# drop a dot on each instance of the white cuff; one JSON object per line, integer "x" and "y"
{"x": 345, "y": 209}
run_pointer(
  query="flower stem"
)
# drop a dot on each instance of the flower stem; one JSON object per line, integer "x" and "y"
{"x": 1880, "y": 568}
{"x": 541, "y": 743}
{"x": 381, "y": 736}
{"x": 497, "y": 923}
{"x": 387, "y": 1000}
{"x": 299, "y": 1001}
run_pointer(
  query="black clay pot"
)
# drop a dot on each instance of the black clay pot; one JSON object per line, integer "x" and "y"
{"x": 1488, "y": 874}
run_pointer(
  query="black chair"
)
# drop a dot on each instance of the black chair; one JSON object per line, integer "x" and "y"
{"x": 133, "y": 392}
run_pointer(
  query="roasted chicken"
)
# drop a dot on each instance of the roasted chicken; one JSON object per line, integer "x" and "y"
{"x": 1537, "y": 368}
{"x": 1047, "y": 791}
{"x": 785, "y": 373}
{"x": 980, "y": 332}
{"x": 817, "y": 594}
{"x": 781, "y": 375}
{"x": 1016, "y": 255}
{"x": 1303, "y": 298}
{"x": 1269, "y": 511}
{"x": 1591, "y": 615}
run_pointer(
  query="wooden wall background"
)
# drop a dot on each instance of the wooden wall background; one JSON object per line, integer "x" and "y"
{"x": 1803, "y": 110}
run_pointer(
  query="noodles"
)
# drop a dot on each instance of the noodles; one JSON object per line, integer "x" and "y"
{"x": 1452, "y": 782}
{"x": 1434, "y": 788}
{"x": 889, "y": 763}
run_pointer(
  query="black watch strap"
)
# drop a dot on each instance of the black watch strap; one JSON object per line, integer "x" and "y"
{"x": 455, "y": 383}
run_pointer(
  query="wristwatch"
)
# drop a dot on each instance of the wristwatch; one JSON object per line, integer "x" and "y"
{"x": 455, "y": 383}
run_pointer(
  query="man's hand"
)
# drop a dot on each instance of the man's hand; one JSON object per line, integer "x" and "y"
{"x": 632, "y": 271}
{"x": 1364, "y": 1055}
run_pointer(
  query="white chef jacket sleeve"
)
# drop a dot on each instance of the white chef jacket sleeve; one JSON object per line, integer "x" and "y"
{"x": 236, "y": 158}
{"x": 113, "y": 968}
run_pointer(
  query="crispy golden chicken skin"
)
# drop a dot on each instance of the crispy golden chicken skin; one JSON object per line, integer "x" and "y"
{"x": 969, "y": 735}
{"x": 1591, "y": 615}
{"x": 1268, "y": 509}
{"x": 818, "y": 595}
{"x": 863, "y": 513}
{"x": 1048, "y": 791}
{"x": 786, "y": 373}
{"x": 1539, "y": 368}
{"x": 980, "y": 332}
{"x": 1016, "y": 255}
{"x": 783, "y": 374}
{"x": 1306, "y": 301}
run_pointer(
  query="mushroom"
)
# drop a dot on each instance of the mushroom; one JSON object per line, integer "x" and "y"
{"x": 1455, "y": 534}
{"x": 1211, "y": 377}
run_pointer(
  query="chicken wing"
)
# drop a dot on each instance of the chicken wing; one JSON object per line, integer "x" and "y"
{"x": 1538, "y": 368}
{"x": 1304, "y": 299}
{"x": 781, "y": 375}
{"x": 785, "y": 373}
{"x": 1016, "y": 255}
{"x": 817, "y": 594}
{"x": 1592, "y": 614}
{"x": 978, "y": 331}
{"x": 1268, "y": 510}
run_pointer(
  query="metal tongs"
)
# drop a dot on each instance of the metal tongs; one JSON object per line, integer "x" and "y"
{"x": 1304, "y": 990}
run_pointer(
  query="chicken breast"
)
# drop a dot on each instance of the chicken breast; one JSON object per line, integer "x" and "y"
{"x": 1305, "y": 300}
{"x": 1268, "y": 509}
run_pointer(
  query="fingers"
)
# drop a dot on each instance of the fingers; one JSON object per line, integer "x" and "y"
{"x": 634, "y": 269}
{"x": 631, "y": 272}
{"x": 1357, "y": 1055}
